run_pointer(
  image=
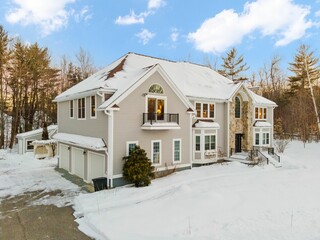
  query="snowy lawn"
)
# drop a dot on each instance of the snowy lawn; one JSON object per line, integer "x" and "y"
{"x": 23, "y": 173}
{"x": 228, "y": 202}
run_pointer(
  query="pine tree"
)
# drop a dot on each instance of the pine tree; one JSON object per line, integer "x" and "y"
{"x": 138, "y": 168}
{"x": 233, "y": 66}
{"x": 303, "y": 60}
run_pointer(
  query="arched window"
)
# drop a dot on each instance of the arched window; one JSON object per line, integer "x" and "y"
{"x": 156, "y": 88}
{"x": 237, "y": 109}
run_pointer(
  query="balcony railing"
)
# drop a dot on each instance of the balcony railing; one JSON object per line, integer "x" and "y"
{"x": 160, "y": 118}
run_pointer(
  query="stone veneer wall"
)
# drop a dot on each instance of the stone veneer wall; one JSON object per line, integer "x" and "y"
{"x": 243, "y": 125}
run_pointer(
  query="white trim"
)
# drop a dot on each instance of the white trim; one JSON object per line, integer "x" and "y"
{"x": 71, "y": 101}
{"x": 110, "y": 149}
{"x": 201, "y": 110}
{"x": 95, "y": 107}
{"x": 261, "y": 131}
{"x": 26, "y": 145}
{"x": 173, "y": 150}
{"x": 228, "y": 129}
{"x": 160, "y": 152}
{"x": 190, "y": 139}
{"x": 127, "y": 146}
{"x": 158, "y": 85}
{"x": 259, "y": 107}
{"x": 152, "y": 70}
{"x": 69, "y": 159}
{"x": 117, "y": 176}
{"x": 156, "y": 96}
{"x": 73, "y": 161}
{"x": 85, "y": 110}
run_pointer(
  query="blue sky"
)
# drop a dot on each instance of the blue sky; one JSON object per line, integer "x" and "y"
{"x": 181, "y": 30}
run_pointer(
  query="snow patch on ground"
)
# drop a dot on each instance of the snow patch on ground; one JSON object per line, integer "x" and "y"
{"x": 23, "y": 173}
{"x": 226, "y": 201}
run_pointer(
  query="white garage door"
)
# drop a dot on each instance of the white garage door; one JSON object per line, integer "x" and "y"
{"x": 64, "y": 161}
{"x": 96, "y": 165}
{"x": 77, "y": 165}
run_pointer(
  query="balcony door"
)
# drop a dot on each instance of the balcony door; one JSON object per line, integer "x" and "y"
{"x": 156, "y": 108}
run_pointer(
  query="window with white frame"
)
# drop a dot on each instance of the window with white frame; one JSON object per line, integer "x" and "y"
{"x": 29, "y": 145}
{"x": 209, "y": 142}
{"x": 205, "y": 110}
{"x": 176, "y": 150}
{"x": 197, "y": 143}
{"x": 81, "y": 108}
{"x": 262, "y": 137}
{"x": 131, "y": 146}
{"x": 93, "y": 107}
{"x": 156, "y": 152}
{"x": 260, "y": 113}
{"x": 71, "y": 108}
{"x": 237, "y": 110}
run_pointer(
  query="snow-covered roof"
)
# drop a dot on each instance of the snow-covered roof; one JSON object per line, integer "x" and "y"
{"x": 206, "y": 124}
{"x": 51, "y": 130}
{"x": 193, "y": 80}
{"x": 259, "y": 100}
{"x": 262, "y": 124}
{"x": 84, "y": 141}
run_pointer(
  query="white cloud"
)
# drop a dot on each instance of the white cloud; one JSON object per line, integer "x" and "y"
{"x": 318, "y": 13}
{"x": 281, "y": 19}
{"x": 132, "y": 18}
{"x": 49, "y": 16}
{"x": 83, "y": 14}
{"x": 145, "y": 36}
{"x": 174, "y": 34}
{"x": 154, "y": 4}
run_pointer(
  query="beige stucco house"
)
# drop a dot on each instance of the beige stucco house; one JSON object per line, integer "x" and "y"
{"x": 182, "y": 114}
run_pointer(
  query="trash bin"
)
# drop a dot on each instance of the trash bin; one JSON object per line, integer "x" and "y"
{"x": 100, "y": 183}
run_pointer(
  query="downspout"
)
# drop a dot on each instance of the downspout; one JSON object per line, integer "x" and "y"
{"x": 191, "y": 140}
{"x": 110, "y": 148}
{"x": 228, "y": 130}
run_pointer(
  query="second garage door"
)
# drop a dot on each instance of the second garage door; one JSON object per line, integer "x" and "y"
{"x": 96, "y": 165}
{"x": 77, "y": 157}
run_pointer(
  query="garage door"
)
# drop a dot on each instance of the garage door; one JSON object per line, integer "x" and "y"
{"x": 96, "y": 165}
{"x": 77, "y": 165}
{"x": 64, "y": 161}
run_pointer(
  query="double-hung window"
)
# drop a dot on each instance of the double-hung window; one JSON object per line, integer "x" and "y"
{"x": 197, "y": 143}
{"x": 209, "y": 142}
{"x": 156, "y": 152}
{"x": 81, "y": 108}
{"x": 130, "y": 147}
{"x": 176, "y": 150}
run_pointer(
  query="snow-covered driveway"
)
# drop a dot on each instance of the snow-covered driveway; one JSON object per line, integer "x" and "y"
{"x": 22, "y": 173}
{"x": 229, "y": 201}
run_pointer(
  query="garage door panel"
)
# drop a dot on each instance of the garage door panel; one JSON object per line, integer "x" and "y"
{"x": 96, "y": 165}
{"x": 64, "y": 161}
{"x": 78, "y": 162}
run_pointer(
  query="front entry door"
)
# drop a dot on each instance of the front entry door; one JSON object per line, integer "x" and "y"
{"x": 238, "y": 142}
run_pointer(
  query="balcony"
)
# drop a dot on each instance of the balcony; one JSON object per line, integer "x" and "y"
{"x": 160, "y": 121}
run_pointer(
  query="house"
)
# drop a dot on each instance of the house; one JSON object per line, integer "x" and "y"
{"x": 25, "y": 139}
{"x": 182, "y": 114}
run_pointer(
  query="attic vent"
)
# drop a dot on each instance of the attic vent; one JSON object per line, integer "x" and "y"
{"x": 156, "y": 88}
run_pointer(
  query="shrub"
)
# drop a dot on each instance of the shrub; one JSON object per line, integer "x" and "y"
{"x": 137, "y": 168}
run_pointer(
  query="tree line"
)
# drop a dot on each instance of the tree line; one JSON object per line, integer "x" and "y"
{"x": 28, "y": 84}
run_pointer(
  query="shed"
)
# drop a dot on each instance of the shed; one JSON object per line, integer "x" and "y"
{"x": 25, "y": 139}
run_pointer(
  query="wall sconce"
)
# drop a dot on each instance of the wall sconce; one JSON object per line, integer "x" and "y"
{"x": 69, "y": 148}
{"x": 84, "y": 152}
{"x": 144, "y": 94}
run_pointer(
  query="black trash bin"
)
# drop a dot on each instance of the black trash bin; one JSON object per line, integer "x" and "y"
{"x": 100, "y": 183}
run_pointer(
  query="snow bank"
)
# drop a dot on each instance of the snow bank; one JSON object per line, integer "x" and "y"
{"x": 87, "y": 142}
{"x": 228, "y": 201}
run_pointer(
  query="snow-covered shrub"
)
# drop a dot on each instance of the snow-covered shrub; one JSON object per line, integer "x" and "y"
{"x": 138, "y": 168}
{"x": 281, "y": 144}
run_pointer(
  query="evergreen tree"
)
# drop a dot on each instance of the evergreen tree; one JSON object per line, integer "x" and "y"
{"x": 303, "y": 60}
{"x": 234, "y": 66}
{"x": 138, "y": 168}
